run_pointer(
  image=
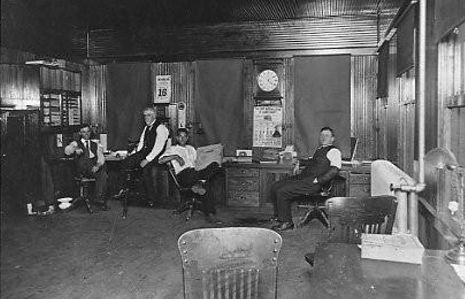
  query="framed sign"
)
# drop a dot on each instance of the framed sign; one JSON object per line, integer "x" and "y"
{"x": 267, "y": 126}
{"x": 162, "y": 89}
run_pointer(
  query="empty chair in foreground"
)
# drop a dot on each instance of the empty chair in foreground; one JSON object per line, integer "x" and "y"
{"x": 349, "y": 217}
{"x": 230, "y": 262}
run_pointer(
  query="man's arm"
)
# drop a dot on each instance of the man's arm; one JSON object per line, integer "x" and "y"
{"x": 141, "y": 141}
{"x": 162, "y": 136}
{"x": 73, "y": 148}
{"x": 168, "y": 158}
{"x": 100, "y": 156}
{"x": 335, "y": 158}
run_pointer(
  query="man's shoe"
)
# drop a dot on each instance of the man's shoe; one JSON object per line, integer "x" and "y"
{"x": 283, "y": 226}
{"x": 151, "y": 204}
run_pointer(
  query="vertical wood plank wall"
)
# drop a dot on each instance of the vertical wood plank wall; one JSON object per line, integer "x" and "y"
{"x": 19, "y": 86}
{"x": 94, "y": 96}
{"x": 364, "y": 83}
{"x": 182, "y": 86}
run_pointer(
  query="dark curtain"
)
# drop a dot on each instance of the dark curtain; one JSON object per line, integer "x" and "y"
{"x": 406, "y": 42}
{"x": 383, "y": 59}
{"x": 219, "y": 104}
{"x": 128, "y": 93}
{"x": 322, "y": 98}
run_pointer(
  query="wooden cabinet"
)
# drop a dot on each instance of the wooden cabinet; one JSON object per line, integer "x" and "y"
{"x": 248, "y": 185}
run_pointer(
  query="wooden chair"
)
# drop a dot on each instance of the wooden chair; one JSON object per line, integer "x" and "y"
{"x": 349, "y": 217}
{"x": 190, "y": 201}
{"x": 230, "y": 262}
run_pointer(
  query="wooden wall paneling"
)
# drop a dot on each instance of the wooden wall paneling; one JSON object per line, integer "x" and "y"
{"x": 392, "y": 107}
{"x": 288, "y": 121}
{"x": 182, "y": 85}
{"x": 363, "y": 90}
{"x": 94, "y": 94}
{"x": 248, "y": 83}
{"x": 20, "y": 86}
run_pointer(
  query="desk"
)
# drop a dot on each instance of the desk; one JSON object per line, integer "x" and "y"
{"x": 340, "y": 272}
{"x": 248, "y": 184}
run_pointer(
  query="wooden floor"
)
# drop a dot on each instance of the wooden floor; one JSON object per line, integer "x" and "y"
{"x": 77, "y": 255}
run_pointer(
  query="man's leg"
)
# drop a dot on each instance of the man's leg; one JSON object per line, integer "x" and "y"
{"x": 150, "y": 173}
{"x": 287, "y": 192}
{"x": 208, "y": 172}
{"x": 274, "y": 189}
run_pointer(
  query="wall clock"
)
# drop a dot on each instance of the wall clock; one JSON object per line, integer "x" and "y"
{"x": 267, "y": 80}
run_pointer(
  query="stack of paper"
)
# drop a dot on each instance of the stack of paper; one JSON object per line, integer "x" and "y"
{"x": 403, "y": 248}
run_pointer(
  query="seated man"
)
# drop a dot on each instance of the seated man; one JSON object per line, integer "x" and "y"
{"x": 183, "y": 158}
{"x": 152, "y": 143}
{"x": 323, "y": 167}
{"x": 90, "y": 162}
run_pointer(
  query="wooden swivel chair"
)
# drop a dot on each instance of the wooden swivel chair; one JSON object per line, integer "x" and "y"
{"x": 230, "y": 262}
{"x": 190, "y": 201}
{"x": 349, "y": 217}
{"x": 315, "y": 205}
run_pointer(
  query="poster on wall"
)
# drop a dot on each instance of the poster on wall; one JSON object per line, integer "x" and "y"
{"x": 162, "y": 89}
{"x": 267, "y": 126}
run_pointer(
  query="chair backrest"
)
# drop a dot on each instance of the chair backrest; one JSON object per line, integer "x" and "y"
{"x": 349, "y": 217}
{"x": 230, "y": 262}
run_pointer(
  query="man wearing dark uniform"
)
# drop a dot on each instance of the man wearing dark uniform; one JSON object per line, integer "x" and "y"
{"x": 152, "y": 143}
{"x": 322, "y": 168}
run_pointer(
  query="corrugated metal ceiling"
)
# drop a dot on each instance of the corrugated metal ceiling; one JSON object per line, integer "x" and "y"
{"x": 109, "y": 13}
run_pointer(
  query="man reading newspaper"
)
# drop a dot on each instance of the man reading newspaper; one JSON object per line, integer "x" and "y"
{"x": 195, "y": 169}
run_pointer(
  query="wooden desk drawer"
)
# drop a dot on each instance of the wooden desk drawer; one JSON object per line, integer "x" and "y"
{"x": 243, "y": 184}
{"x": 359, "y": 179}
{"x": 243, "y": 172}
{"x": 241, "y": 198}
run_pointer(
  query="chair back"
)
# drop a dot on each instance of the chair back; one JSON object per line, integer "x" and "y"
{"x": 230, "y": 262}
{"x": 349, "y": 217}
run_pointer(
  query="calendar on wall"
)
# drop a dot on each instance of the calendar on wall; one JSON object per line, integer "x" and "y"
{"x": 267, "y": 126}
{"x": 162, "y": 89}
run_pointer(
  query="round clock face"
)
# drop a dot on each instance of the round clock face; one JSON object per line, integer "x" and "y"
{"x": 267, "y": 80}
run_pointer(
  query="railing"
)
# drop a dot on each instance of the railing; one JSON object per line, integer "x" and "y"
{"x": 388, "y": 179}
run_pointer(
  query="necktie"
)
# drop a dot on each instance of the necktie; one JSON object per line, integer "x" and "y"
{"x": 88, "y": 148}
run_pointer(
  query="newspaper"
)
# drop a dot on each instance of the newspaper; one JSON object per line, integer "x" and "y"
{"x": 208, "y": 154}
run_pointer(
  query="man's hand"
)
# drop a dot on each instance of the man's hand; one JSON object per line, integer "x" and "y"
{"x": 95, "y": 169}
{"x": 79, "y": 151}
{"x": 143, "y": 163}
{"x": 180, "y": 160}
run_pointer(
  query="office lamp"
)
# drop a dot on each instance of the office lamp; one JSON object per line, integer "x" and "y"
{"x": 442, "y": 158}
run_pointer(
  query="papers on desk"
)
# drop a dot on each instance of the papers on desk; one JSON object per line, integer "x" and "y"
{"x": 402, "y": 248}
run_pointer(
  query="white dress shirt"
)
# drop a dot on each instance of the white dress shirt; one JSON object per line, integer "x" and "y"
{"x": 187, "y": 153}
{"x": 162, "y": 137}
